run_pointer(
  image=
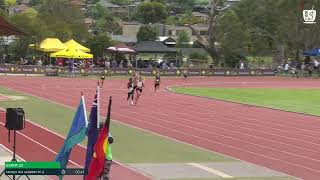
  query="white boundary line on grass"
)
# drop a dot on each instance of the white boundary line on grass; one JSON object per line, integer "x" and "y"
{"x": 210, "y": 170}
{"x": 9, "y": 97}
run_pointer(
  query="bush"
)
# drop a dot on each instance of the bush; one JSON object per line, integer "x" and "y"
{"x": 259, "y": 61}
{"x": 198, "y": 56}
{"x": 232, "y": 61}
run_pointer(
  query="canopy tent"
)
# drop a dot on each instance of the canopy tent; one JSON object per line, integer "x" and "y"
{"x": 73, "y": 43}
{"x": 313, "y": 52}
{"x": 73, "y": 53}
{"x": 121, "y": 48}
{"x": 49, "y": 45}
{"x": 7, "y": 29}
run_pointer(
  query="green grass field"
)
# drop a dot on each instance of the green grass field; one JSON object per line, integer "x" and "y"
{"x": 295, "y": 100}
{"x": 131, "y": 145}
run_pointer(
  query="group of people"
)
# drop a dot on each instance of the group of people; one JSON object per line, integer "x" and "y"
{"x": 136, "y": 85}
{"x": 307, "y": 67}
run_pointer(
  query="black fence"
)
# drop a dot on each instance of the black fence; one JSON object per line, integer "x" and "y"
{"x": 45, "y": 70}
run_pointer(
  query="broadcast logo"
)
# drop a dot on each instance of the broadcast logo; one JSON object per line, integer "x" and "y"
{"x": 309, "y": 16}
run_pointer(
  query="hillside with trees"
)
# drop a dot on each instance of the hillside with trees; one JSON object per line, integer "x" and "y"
{"x": 272, "y": 28}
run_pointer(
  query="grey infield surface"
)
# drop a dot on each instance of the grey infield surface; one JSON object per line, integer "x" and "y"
{"x": 6, "y": 156}
{"x": 173, "y": 170}
{"x": 181, "y": 171}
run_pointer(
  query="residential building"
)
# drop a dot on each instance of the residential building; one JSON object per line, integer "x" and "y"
{"x": 168, "y": 41}
{"x": 201, "y": 16}
{"x": 114, "y": 9}
{"x": 173, "y": 31}
{"x": 131, "y": 29}
{"x": 89, "y": 21}
{"x": 130, "y": 41}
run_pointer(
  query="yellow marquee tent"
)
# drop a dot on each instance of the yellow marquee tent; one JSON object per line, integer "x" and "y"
{"x": 49, "y": 45}
{"x": 73, "y": 53}
{"x": 73, "y": 43}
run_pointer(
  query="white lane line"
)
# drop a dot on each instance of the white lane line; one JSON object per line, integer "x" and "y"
{"x": 213, "y": 171}
{"x": 45, "y": 147}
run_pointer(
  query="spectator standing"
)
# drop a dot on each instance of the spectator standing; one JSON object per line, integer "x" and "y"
{"x": 39, "y": 63}
{"x": 286, "y": 67}
{"x": 107, "y": 64}
{"x": 316, "y": 65}
{"x": 241, "y": 65}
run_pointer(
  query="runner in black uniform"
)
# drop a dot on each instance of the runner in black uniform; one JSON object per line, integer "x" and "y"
{"x": 135, "y": 77}
{"x": 130, "y": 91}
{"x": 140, "y": 85}
{"x": 156, "y": 83}
{"x": 185, "y": 74}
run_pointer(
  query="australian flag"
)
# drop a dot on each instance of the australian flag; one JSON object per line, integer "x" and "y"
{"x": 92, "y": 131}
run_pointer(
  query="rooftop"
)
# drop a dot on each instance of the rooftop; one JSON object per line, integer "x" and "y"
{"x": 124, "y": 39}
{"x": 153, "y": 47}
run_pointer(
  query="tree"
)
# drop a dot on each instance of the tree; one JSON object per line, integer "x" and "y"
{"x": 146, "y": 33}
{"x": 293, "y": 34}
{"x": 35, "y": 2}
{"x": 2, "y": 5}
{"x": 56, "y": 18}
{"x": 182, "y": 19}
{"x": 98, "y": 44}
{"x": 201, "y": 2}
{"x": 31, "y": 25}
{"x": 10, "y": 2}
{"x": 151, "y": 12}
{"x": 198, "y": 56}
{"x": 183, "y": 39}
{"x": 287, "y": 36}
{"x": 106, "y": 23}
{"x": 121, "y": 2}
{"x": 160, "y": 1}
{"x": 232, "y": 35}
{"x": 209, "y": 41}
{"x": 186, "y": 5}
{"x": 64, "y": 19}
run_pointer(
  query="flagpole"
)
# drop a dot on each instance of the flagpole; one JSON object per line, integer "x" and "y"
{"x": 98, "y": 106}
{"x": 84, "y": 109}
{"x": 107, "y": 123}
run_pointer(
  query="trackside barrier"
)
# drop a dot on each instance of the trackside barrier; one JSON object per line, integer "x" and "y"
{"x": 56, "y": 70}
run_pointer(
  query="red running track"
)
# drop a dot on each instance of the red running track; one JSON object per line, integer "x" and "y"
{"x": 284, "y": 141}
{"x": 35, "y": 143}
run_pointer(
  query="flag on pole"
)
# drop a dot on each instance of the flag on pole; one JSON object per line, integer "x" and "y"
{"x": 98, "y": 104}
{"x": 92, "y": 131}
{"x": 100, "y": 150}
{"x": 76, "y": 134}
